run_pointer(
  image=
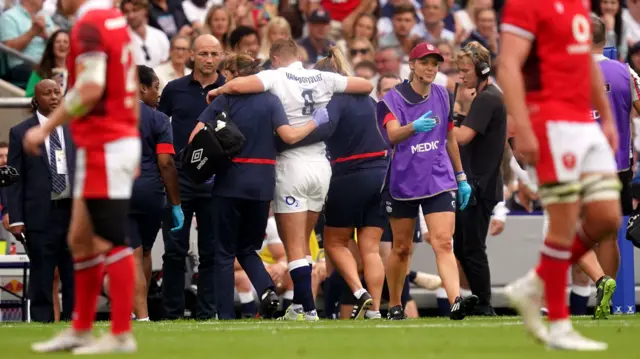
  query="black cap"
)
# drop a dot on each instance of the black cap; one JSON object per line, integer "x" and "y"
{"x": 319, "y": 16}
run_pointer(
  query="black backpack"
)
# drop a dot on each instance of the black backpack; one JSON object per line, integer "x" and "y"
{"x": 213, "y": 148}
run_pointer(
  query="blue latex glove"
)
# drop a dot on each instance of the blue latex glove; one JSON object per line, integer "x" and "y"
{"x": 178, "y": 218}
{"x": 320, "y": 116}
{"x": 424, "y": 123}
{"x": 464, "y": 193}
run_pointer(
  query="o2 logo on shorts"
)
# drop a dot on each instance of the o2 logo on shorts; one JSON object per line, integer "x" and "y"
{"x": 291, "y": 201}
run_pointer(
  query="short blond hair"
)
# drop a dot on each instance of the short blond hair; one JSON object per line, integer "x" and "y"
{"x": 475, "y": 52}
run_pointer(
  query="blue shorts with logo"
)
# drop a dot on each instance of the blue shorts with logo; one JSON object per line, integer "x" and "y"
{"x": 387, "y": 235}
{"x": 354, "y": 199}
{"x": 442, "y": 202}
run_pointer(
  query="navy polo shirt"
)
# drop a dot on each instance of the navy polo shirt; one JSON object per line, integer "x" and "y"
{"x": 312, "y": 52}
{"x": 356, "y": 142}
{"x": 252, "y": 175}
{"x": 183, "y": 100}
{"x": 156, "y": 138}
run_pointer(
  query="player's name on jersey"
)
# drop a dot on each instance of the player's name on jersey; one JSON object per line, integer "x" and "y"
{"x": 306, "y": 79}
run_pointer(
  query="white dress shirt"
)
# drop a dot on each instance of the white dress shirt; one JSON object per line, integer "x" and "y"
{"x": 155, "y": 43}
{"x": 166, "y": 73}
{"x": 67, "y": 191}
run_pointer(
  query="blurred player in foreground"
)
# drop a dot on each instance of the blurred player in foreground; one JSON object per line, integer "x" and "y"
{"x": 544, "y": 70}
{"x": 103, "y": 102}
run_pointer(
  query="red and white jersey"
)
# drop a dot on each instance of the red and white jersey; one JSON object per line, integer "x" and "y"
{"x": 101, "y": 30}
{"x": 339, "y": 9}
{"x": 557, "y": 71}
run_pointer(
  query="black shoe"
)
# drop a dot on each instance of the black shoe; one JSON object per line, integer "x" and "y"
{"x": 396, "y": 313}
{"x": 269, "y": 304}
{"x": 463, "y": 307}
{"x": 484, "y": 310}
{"x": 362, "y": 305}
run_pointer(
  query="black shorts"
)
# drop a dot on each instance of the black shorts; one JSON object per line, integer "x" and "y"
{"x": 143, "y": 228}
{"x": 109, "y": 219}
{"x": 627, "y": 194}
{"x": 354, "y": 200}
{"x": 442, "y": 202}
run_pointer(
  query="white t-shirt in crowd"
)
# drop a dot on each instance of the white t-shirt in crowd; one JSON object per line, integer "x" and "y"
{"x": 194, "y": 13}
{"x": 302, "y": 91}
{"x": 156, "y": 45}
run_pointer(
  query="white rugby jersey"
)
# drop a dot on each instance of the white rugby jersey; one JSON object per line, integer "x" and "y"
{"x": 302, "y": 91}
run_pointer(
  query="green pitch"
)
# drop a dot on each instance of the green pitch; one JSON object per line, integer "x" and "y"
{"x": 474, "y": 338}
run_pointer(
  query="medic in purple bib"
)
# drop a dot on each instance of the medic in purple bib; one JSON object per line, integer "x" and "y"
{"x": 415, "y": 118}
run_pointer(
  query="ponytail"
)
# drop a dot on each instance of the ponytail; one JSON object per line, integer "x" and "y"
{"x": 334, "y": 62}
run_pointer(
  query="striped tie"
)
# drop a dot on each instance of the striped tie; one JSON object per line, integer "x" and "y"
{"x": 58, "y": 181}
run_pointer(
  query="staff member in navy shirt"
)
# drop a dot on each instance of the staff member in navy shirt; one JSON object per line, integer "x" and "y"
{"x": 157, "y": 173}
{"x": 242, "y": 194}
{"x": 183, "y": 100}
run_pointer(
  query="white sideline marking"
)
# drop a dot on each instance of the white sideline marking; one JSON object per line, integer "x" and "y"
{"x": 221, "y": 326}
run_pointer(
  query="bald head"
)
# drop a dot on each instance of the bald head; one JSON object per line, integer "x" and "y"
{"x": 47, "y": 96}
{"x": 205, "y": 40}
{"x": 206, "y": 54}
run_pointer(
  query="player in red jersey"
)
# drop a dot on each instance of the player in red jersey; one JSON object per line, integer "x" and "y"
{"x": 103, "y": 106}
{"x": 545, "y": 68}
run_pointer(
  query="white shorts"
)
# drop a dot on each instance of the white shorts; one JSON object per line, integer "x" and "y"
{"x": 301, "y": 185}
{"x": 570, "y": 149}
{"x": 107, "y": 172}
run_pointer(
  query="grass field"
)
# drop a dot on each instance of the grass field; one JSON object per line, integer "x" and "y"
{"x": 476, "y": 338}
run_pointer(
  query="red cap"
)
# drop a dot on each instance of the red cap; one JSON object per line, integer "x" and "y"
{"x": 425, "y": 49}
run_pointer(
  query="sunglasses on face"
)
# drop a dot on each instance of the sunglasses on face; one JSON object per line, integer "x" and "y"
{"x": 355, "y": 52}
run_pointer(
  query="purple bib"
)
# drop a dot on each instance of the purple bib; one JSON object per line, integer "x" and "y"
{"x": 420, "y": 166}
{"x": 617, "y": 82}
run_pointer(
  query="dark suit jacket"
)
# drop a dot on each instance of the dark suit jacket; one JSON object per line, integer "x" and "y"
{"x": 29, "y": 198}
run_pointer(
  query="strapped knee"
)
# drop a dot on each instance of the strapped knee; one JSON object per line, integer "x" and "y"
{"x": 560, "y": 193}
{"x": 598, "y": 187}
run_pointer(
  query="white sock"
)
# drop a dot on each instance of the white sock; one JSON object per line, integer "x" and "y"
{"x": 288, "y": 295}
{"x": 358, "y": 293}
{"x": 245, "y": 297}
{"x": 465, "y": 292}
{"x": 560, "y": 326}
{"x": 146, "y": 319}
{"x": 583, "y": 291}
{"x": 295, "y": 306}
{"x": 372, "y": 313}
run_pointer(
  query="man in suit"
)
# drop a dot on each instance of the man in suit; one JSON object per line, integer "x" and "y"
{"x": 40, "y": 204}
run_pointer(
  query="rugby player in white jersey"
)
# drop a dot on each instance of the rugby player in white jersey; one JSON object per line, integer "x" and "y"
{"x": 303, "y": 173}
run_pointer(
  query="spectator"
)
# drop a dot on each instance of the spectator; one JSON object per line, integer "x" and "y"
{"x": 53, "y": 64}
{"x": 278, "y": 28}
{"x": 611, "y": 13}
{"x": 434, "y": 13}
{"x": 464, "y": 18}
{"x": 40, "y": 204}
{"x": 245, "y": 13}
{"x": 219, "y": 23}
{"x": 486, "y": 32}
{"x": 385, "y": 83}
{"x": 364, "y": 26}
{"x": 22, "y": 29}
{"x": 245, "y": 39}
{"x": 388, "y": 61}
{"x": 176, "y": 67}
{"x": 4, "y": 209}
{"x": 169, "y": 17}
{"x": 360, "y": 49}
{"x": 196, "y": 11}
{"x": 447, "y": 67}
{"x": 184, "y": 100}
{"x": 62, "y": 21}
{"x": 631, "y": 22}
{"x": 150, "y": 45}
{"x": 317, "y": 44}
{"x": 403, "y": 20}
{"x": 344, "y": 13}
{"x": 365, "y": 69}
